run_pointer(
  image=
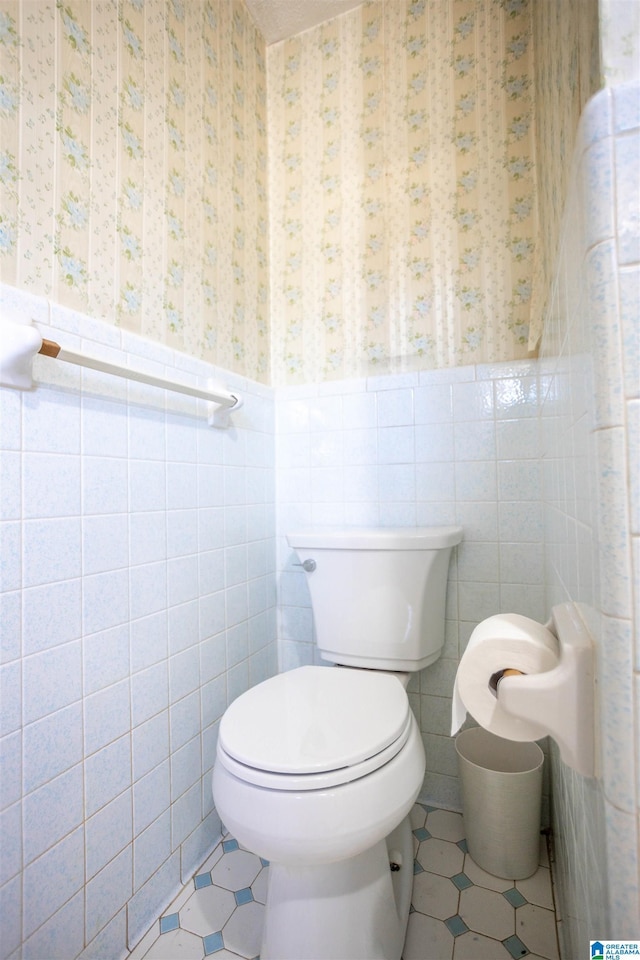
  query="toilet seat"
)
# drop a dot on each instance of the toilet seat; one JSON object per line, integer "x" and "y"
{"x": 314, "y": 727}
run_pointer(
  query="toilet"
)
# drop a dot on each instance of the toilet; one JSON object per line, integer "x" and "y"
{"x": 318, "y": 768}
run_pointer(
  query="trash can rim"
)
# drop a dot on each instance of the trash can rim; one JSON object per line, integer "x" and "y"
{"x": 475, "y": 733}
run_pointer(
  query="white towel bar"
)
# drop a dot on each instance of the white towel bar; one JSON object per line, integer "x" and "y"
{"x": 19, "y": 343}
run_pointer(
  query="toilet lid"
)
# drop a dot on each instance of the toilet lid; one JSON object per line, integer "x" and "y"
{"x": 312, "y": 720}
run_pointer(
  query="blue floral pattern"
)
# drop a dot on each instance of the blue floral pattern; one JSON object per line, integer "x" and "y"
{"x": 404, "y": 183}
{"x": 133, "y": 168}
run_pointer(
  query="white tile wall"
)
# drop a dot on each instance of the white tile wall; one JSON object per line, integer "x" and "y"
{"x": 137, "y": 599}
{"x": 448, "y": 446}
{"x": 591, "y": 461}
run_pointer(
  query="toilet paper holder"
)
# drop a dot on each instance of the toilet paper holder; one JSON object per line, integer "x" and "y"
{"x": 561, "y": 701}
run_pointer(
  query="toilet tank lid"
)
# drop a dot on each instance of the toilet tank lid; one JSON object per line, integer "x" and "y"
{"x": 376, "y": 538}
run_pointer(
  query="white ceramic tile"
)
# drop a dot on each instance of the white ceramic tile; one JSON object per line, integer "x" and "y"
{"x": 106, "y": 716}
{"x": 186, "y": 814}
{"x": 434, "y": 442}
{"x": 61, "y": 935}
{"x": 51, "y": 420}
{"x": 433, "y": 404}
{"x": 479, "y": 520}
{"x": 147, "y": 485}
{"x": 51, "y": 746}
{"x": 10, "y": 485}
{"x": 435, "y": 481}
{"x": 613, "y": 531}
{"x": 487, "y": 912}
{"x": 182, "y": 532}
{"x": 105, "y": 601}
{"x": 104, "y": 486}
{"x": 10, "y": 769}
{"x": 11, "y": 854}
{"x": 12, "y": 627}
{"x": 396, "y": 444}
{"x": 445, "y": 825}
{"x": 478, "y": 561}
{"x": 148, "y": 589}
{"x": 11, "y": 906}
{"x": 537, "y": 889}
{"x": 151, "y": 848}
{"x": 478, "y": 600}
{"x": 177, "y": 944}
{"x": 108, "y": 891}
{"x": 148, "y": 538}
{"x": 10, "y": 419}
{"x": 151, "y": 796}
{"x": 182, "y": 580}
{"x": 149, "y": 692}
{"x": 617, "y": 714}
{"x": 11, "y": 696}
{"x": 39, "y": 629}
{"x": 473, "y": 946}
{"x": 473, "y": 401}
{"x": 184, "y": 674}
{"x": 441, "y": 857}
{"x": 104, "y": 427}
{"x": 184, "y": 719}
{"x": 520, "y": 521}
{"x": 185, "y": 768}
{"x": 108, "y": 832}
{"x": 10, "y": 560}
{"x": 51, "y": 812}
{"x": 105, "y": 658}
{"x": 537, "y": 928}
{"x": 359, "y": 410}
{"x": 142, "y": 907}
{"x": 395, "y": 407}
{"x": 243, "y": 932}
{"x": 396, "y": 482}
{"x": 476, "y": 481}
{"x": 52, "y": 680}
{"x": 182, "y": 443}
{"x": 107, "y": 774}
{"x": 519, "y": 480}
{"x": 598, "y": 192}
{"x": 52, "y": 879}
{"x": 434, "y": 895}
{"x": 234, "y": 523}
{"x": 183, "y": 619}
{"x": 398, "y": 514}
{"x": 627, "y": 157}
{"x": 150, "y": 744}
{"x": 147, "y": 436}
{"x": 105, "y": 543}
{"x": 521, "y": 563}
{"x": 51, "y": 551}
{"x": 421, "y": 930}
{"x": 475, "y": 440}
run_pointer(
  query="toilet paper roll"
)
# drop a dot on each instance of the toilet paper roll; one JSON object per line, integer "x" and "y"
{"x": 504, "y": 642}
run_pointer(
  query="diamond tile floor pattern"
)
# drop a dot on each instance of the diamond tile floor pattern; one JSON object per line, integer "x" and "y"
{"x": 459, "y": 912}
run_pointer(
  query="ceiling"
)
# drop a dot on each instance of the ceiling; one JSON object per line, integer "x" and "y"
{"x": 278, "y": 19}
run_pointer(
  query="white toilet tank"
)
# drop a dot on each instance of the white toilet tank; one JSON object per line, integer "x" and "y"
{"x": 378, "y": 595}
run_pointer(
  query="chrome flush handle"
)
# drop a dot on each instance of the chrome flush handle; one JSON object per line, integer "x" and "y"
{"x": 308, "y": 566}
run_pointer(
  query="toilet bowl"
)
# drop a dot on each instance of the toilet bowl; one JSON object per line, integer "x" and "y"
{"x": 316, "y": 771}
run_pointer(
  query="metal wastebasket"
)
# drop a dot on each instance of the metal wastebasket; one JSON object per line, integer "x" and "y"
{"x": 501, "y": 784}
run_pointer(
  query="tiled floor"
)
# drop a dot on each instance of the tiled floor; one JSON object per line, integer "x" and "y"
{"x": 459, "y": 912}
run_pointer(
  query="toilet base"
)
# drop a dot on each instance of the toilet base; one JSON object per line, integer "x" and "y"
{"x": 354, "y": 909}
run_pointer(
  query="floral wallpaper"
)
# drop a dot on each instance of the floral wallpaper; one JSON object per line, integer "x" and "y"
{"x": 402, "y": 189}
{"x": 133, "y": 168}
{"x": 567, "y": 73}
